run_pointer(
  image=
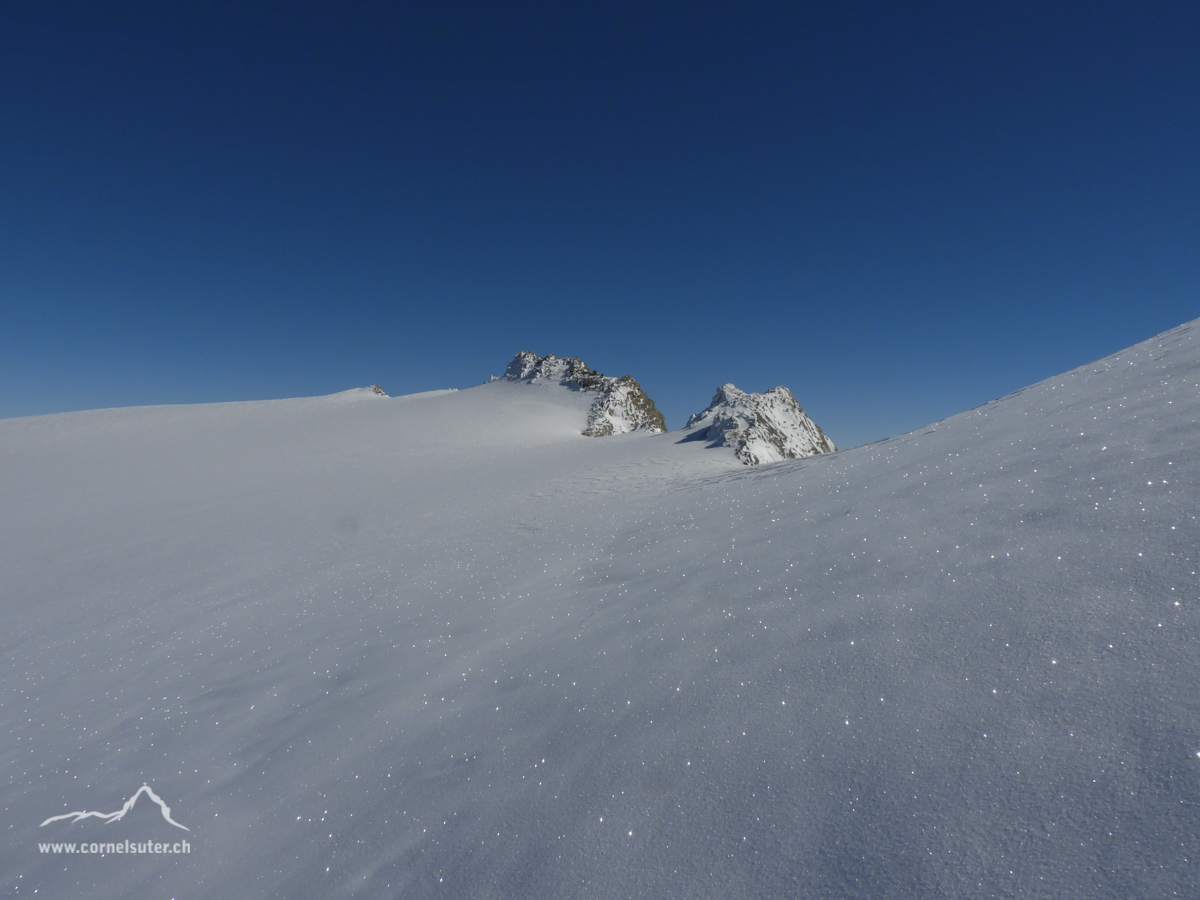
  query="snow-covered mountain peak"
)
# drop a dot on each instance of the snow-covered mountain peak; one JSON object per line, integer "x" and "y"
{"x": 528, "y": 366}
{"x": 620, "y": 406}
{"x": 760, "y": 428}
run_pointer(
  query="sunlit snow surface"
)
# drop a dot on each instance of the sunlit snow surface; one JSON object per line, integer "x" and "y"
{"x": 444, "y": 646}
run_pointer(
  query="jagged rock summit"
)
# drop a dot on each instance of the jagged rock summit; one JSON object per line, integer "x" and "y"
{"x": 620, "y": 406}
{"x": 760, "y": 428}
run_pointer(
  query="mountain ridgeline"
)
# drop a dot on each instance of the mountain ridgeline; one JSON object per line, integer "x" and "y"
{"x": 620, "y": 406}
{"x": 760, "y": 428}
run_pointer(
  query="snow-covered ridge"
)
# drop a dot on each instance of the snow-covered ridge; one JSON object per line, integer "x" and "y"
{"x": 420, "y": 647}
{"x": 620, "y": 406}
{"x": 760, "y": 428}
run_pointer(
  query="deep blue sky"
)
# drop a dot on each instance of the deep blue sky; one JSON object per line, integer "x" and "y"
{"x": 898, "y": 210}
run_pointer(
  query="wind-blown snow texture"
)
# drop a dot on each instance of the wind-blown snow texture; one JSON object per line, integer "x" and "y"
{"x": 766, "y": 427}
{"x": 620, "y": 407}
{"x": 516, "y": 662}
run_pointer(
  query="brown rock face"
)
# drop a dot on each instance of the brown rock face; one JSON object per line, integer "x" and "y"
{"x": 620, "y": 406}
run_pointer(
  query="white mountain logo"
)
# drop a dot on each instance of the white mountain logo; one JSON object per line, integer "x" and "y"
{"x": 111, "y": 817}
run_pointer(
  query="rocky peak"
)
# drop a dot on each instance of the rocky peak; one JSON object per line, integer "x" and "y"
{"x": 760, "y": 428}
{"x": 569, "y": 370}
{"x": 620, "y": 405}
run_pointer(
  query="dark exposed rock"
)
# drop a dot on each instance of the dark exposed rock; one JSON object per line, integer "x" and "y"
{"x": 765, "y": 427}
{"x": 620, "y": 405}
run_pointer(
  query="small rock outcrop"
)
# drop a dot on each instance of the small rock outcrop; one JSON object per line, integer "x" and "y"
{"x": 760, "y": 428}
{"x": 620, "y": 406}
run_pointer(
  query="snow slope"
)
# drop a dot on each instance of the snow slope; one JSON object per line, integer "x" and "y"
{"x": 445, "y": 646}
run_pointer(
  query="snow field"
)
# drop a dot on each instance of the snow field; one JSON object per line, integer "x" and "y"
{"x": 444, "y": 646}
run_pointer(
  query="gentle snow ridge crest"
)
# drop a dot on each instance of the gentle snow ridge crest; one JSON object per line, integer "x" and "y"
{"x": 620, "y": 407}
{"x": 760, "y": 428}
